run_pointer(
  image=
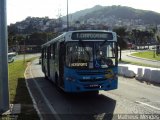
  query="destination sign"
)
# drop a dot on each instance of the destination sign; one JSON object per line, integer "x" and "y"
{"x": 92, "y": 36}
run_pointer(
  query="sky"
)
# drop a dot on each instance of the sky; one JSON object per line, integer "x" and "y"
{"x": 18, "y": 10}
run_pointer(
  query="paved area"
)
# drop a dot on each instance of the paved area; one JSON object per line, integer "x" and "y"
{"x": 131, "y": 97}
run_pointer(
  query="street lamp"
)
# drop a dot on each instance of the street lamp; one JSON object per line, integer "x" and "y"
{"x": 24, "y": 45}
{"x": 4, "y": 91}
{"x": 67, "y": 18}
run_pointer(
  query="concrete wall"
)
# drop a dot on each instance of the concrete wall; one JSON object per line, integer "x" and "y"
{"x": 140, "y": 73}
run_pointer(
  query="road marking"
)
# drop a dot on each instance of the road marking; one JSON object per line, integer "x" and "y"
{"x": 30, "y": 93}
{"x": 46, "y": 100}
{"x": 148, "y": 105}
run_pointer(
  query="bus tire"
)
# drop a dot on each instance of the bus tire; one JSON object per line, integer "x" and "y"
{"x": 45, "y": 76}
{"x": 57, "y": 85}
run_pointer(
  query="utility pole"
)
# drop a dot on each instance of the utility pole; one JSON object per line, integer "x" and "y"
{"x": 67, "y": 18}
{"x": 4, "y": 94}
{"x": 24, "y": 54}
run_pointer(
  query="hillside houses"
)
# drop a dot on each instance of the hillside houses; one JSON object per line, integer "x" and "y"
{"x": 36, "y": 24}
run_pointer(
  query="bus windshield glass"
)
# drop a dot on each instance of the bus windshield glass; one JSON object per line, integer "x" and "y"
{"x": 90, "y": 55}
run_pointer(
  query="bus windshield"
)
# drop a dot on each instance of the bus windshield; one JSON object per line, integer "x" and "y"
{"x": 89, "y": 55}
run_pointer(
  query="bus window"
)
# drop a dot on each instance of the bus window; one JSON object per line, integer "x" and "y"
{"x": 45, "y": 53}
{"x": 105, "y": 54}
{"x": 78, "y": 55}
{"x": 49, "y": 52}
{"x": 42, "y": 53}
{"x": 54, "y": 48}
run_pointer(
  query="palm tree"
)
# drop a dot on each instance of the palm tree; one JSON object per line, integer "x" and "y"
{"x": 154, "y": 30}
{"x": 134, "y": 34}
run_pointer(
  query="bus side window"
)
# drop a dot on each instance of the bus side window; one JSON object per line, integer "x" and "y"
{"x": 44, "y": 52}
{"x": 53, "y": 51}
{"x": 56, "y": 50}
{"x": 49, "y": 52}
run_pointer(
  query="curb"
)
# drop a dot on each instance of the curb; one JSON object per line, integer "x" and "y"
{"x": 143, "y": 58}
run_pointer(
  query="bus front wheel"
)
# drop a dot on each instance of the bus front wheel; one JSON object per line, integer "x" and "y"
{"x": 45, "y": 75}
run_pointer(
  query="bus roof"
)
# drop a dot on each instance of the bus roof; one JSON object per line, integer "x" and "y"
{"x": 67, "y": 36}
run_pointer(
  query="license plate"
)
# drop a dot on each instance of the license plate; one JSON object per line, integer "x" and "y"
{"x": 93, "y": 85}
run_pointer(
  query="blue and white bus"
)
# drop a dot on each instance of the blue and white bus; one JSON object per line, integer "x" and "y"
{"x": 84, "y": 60}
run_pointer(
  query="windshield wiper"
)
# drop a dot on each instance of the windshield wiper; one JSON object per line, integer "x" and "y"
{"x": 103, "y": 43}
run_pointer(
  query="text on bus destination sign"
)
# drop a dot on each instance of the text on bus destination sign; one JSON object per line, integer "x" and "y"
{"x": 89, "y": 36}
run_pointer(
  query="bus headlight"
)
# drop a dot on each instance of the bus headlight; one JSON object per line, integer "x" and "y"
{"x": 109, "y": 74}
{"x": 70, "y": 79}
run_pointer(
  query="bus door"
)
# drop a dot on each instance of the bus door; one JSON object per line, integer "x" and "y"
{"x": 48, "y": 60}
{"x": 61, "y": 63}
{"x": 42, "y": 59}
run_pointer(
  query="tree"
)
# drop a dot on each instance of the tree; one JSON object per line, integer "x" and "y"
{"x": 141, "y": 37}
{"x": 158, "y": 39}
{"x": 134, "y": 35}
{"x": 121, "y": 33}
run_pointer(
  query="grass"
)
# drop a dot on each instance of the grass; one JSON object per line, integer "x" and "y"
{"x": 147, "y": 54}
{"x": 18, "y": 92}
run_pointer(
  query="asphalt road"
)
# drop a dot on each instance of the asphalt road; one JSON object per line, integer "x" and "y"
{"x": 132, "y": 99}
{"x": 27, "y": 56}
